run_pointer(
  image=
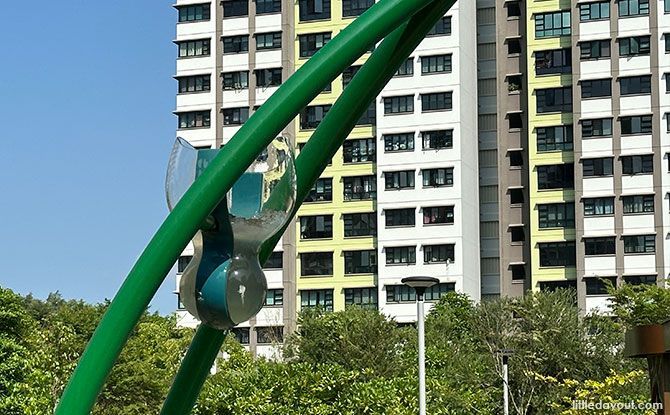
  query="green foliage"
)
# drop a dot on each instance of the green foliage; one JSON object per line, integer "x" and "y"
{"x": 358, "y": 339}
{"x": 637, "y": 305}
{"x": 354, "y": 362}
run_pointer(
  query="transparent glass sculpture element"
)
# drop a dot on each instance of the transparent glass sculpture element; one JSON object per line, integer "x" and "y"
{"x": 224, "y": 284}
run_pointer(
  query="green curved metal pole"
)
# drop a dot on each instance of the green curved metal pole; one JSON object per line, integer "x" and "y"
{"x": 311, "y": 162}
{"x": 209, "y": 189}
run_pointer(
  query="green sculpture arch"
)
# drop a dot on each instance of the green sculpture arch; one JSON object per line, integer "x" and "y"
{"x": 402, "y": 24}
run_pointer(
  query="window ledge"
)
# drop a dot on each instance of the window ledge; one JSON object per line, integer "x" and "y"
{"x": 318, "y": 202}
{"x": 599, "y": 255}
{"x": 360, "y": 274}
{"x": 192, "y": 128}
{"x": 437, "y": 110}
{"x": 639, "y": 253}
{"x": 317, "y": 276}
{"x": 403, "y": 264}
{"x": 399, "y": 226}
{"x": 438, "y": 224}
{"x": 638, "y": 213}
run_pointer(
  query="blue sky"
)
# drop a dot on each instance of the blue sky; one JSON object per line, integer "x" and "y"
{"x": 86, "y": 101}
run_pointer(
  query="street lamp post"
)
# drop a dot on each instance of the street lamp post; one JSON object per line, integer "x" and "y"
{"x": 420, "y": 284}
{"x": 505, "y": 354}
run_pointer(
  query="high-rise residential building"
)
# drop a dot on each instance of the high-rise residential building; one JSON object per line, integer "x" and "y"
{"x": 597, "y": 144}
{"x": 396, "y": 200}
{"x": 523, "y": 145}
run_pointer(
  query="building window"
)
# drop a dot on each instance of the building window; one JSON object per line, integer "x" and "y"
{"x": 513, "y": 46}
{"x": 554, "y": 99}
{"x": 594, "y": 11}
{"x": 406, "y": 69}
{"x": 399, "y": 179}
{"x": 311, "y": 43}
{"x": 398, "y": 142}
{"x": 515, "y": 120}
{"x": 314, "y": 10}
{"x": 633, "y": 7}
{"x": 399, "y": 104}
{"x": 348, "y": 75}
{"x": 603, "y": 166}
{"x": 236, "y": 44}
{"x": 638, "y": 204}
{"x": 369, "y": 117}
{"x": 316, "y": 263}
{"x": 557, "y": 254}
{"x": 437, "y": 139}
{"x": 595, "y": 49}
{"x": 311, "y": 116}
{"x": 265, "y": 41}
{"x": 634, "y": 46}
{"x": 513, "y": 9}
{"x": 235, "y": 80}
{"x": 266, "y": 78}
{"x": 556, "y": 215}
{"x": 599, "y": 286}
{"x": 435, "y": 64}
{"x": 516, "y": 196}
{"x": 359, "y": 150}
{"x": 442, "y": 27}
{"x": 360, "y": 262}
{"x": 322, "y": 191}
{"x": 666, "y": 6}
{"x": 438, "y": 215}
{"x": 316, "y": 227}
{"x": 193, "y": 13}
{"x": 182, "y": 263}
{"x": 639, "y": 244}
{"x": 400, "y": 254}
{"x": 235, "y": 8}
{"x": 399, "y": 217}
{"x": 556, "y": 61}
{"x": 405, "y": 294}
{"x": 642, "y": 164}
{"x": 268, "y": 6}
{"x": 194, "y": 119}
{"x": 555, "y": 176}
{"x": 191, "y": 48}
{"x": 515, "y": 158}
{"x": 555, "y": 138}
{"x": 598, "y": 206}
{"x": 631, "y": 85}
{"x": 637, "y": 124}
{"x": 360, "y": 188}
{"x": 517, "y": 234}
{"x": 355, "y": 7}
{"x": 596, "y": 88}
{"x": 241, "y": 334}
{"x": 438, "y": 177}
{"x": 667, "y": 42}
{"x": 601, "y": 127}
{"x": 274, "y": 297}
{"x": 360, "y": 224}
{"x": 361, "y": 297}
{"x": 640, "y": 279}
{"x": 600, "y": 246}
{"x": 437, "y": 101}
{"x": 275, "y": 261}
{"x": 518, "y": 272}
{"x": 438, "y": 253}
{"x": 235, "y": 116}
{"x": 195, "y": 83}
{"x": 269, "y": 335}
{"x": 316, "y": 298}
{"x": 552, "y": 24}
{"x": 553, "y": 286}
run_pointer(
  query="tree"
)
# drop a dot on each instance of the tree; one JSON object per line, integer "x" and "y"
{"x": 356, "y": 339}
{"x": 637, "y": 305}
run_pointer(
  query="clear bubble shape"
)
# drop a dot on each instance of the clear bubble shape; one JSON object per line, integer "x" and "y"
{"x": 224, "y": 289}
